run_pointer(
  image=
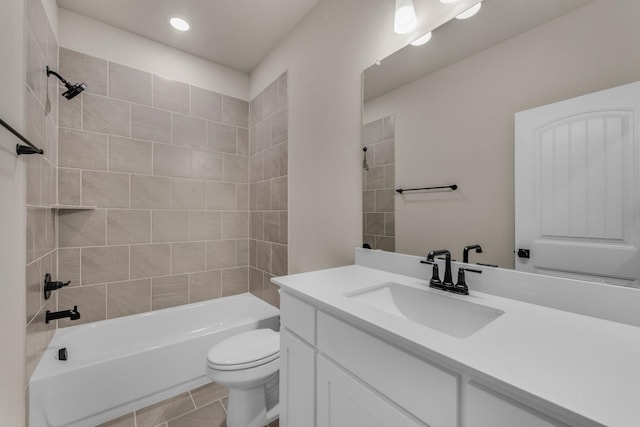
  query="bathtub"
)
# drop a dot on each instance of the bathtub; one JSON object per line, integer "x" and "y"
{"x": 119, "y": 365}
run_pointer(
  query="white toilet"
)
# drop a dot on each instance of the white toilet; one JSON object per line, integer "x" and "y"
{"x": 248, "y": 364}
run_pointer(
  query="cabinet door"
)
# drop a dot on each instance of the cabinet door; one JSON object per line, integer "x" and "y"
{"x": 343, "y": 401}
{"x": 297, "y": 382}
{"x": 485, "y": 408}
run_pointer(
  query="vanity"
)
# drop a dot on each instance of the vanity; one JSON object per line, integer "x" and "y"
{"x": 371, "y": 344}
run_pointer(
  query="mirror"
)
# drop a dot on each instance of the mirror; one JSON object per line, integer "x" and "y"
{"x": 443, "y": 114}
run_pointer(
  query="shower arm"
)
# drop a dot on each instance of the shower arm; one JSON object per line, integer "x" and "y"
{"x": 62, "y": 79}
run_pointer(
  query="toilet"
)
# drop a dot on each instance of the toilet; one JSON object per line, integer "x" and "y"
{"x": 248, "y": 364}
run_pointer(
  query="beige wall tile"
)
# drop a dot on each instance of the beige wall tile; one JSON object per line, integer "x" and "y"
{"x": 235, "y": 225}
{"x": 389, "y": 176}
{"x": 69, "y": 186}
{"x": 150, "y": 192}
{"x": 33, "y": 179}
{"x": 38, "y": 336}
{"x": 263, "y": 256}
{"x": 130, "y": 155}
{"x": 206, "y": 165}
{"x": 271, "y": 294}
{"x": 187, "y": 257}
{"x": 188, "y": 131}
{"x": 389, "y": 224}
{"x": 256, "y": 225}
{"x": 150, "y": 124}
{"x": 106, "y": 115}
{"x": 279, "y": 127}
{"x": 171, "y": 161}
{"x": 85, "y": 150}
{"x": 374, "y": 178}
{"x": 373, "y": 132}
{"x": 105, "y": 264}
{"x": 221, "y": 196}
{"x": 255, "y": 109}
{"x": 384, "y": 153}
{"x": 36, "y": 78}
{"x": 169, "y": 226}
{"x": 374, "y": 224}
{"x": 284, "y": 158}
{"x": 150, "y": 260}
{"x": 256, "y": 167}
{"x": 263, "y": 195}
{"x": 128, "y": 226}
{"x": 389, "y": 128}
{"x": 105, "y": 189}
{"x": 385, "y": 200}
{"x": 242, "y": 252}
{"x": 263, "y": 135}
{"x": 129, "y": 84}
{"x": 279, "y": 260}
{"x": 126, "y": 298}
{"x": 35, "y": 125}
{"x": 82, "y": 228}
{"x": 235, "y": 111}
{"x": 204, "y": 226}
{"x": 253, "y": 262}
{"x": 279, "y": 193}
{"x": 91, "y": 302}
{"x": 169, "y": 291}
{"x": 187, "y": 194}
{"x": 271, "y": 226}
{"x": 34, "y": 290}
{"x": 221, "y": 137}
{"x": 235, "y": 281}
{"x": 283, "y": 236}
{"x": 368, "y": 201}
{"x": 206, "y": 104}
{"x": 69, "y": 266}
{"x": 160, "y": 412}
{"x": 386, "y": 243}
{"x": 48, "y": 182}
{"x": 272, "y": 162}
{"x": 242, "y": 197}
{"x": 242, "y": 141}
{"x": 235, "y": 168}
{"x": 204, "y": 286}
{"x": 70, "y": 113}
{"x": 221, "y": 254}
{"x": 255, "y": 282}
{"x": 77, "y": 67}
{"x": 170, "y": 95}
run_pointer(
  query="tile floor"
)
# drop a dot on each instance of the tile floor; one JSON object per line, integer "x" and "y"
{"x": 205, "y": 406}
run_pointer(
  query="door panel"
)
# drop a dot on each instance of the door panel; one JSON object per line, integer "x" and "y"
{"x": 577, "y": 201}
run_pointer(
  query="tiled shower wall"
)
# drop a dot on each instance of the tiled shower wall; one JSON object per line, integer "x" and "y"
{"x": 167, "y": 166}
{"x": 41, "y": 100}
{"x": 268, "y": 195}
{"x": 378, "y": 197}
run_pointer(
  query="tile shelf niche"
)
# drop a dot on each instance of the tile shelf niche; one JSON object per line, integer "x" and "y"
{"x": 73, "y": 207}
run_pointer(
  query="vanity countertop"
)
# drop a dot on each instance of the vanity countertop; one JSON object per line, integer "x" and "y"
{"x": 569, "y": 362}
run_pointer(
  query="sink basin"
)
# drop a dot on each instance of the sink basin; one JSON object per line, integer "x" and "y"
{"x": 441, "y": 312}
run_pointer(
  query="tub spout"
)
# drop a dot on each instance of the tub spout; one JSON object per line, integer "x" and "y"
{"x": 73, "y": 314}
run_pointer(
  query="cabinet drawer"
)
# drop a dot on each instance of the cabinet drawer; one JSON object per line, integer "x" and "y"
{"x": 299, "y": 317}
{"x": 423, "y": 389}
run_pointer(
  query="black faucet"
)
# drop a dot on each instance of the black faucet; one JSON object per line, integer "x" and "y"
{"x": 465, "y": 252}
{"x": 51, "y": 286}
{"x": 71, "y": 314}
{"x": 447, "y": 283}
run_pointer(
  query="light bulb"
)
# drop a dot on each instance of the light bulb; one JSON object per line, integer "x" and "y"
{"x": 179, "y": 24}
{"x": 470, "y": 12}
{"x": 422, "y": 40}
{"x": 405, "y": 18}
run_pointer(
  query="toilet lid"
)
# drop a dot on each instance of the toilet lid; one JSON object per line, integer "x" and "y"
{"x": 245, "y": 350}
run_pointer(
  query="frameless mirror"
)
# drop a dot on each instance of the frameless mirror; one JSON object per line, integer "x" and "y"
{"x": 442, "y": 114}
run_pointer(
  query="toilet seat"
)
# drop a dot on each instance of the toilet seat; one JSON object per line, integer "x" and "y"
{"x": 245, "y": 350}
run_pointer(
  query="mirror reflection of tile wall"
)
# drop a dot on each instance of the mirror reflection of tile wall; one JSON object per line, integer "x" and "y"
{"x": 378, "y": 196}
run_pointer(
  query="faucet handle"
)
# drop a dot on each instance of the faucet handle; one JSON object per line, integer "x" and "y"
{"x": 461, "y": 286}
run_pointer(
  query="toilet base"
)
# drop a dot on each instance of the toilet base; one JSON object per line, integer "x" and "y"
{"x": 250, "y": 407}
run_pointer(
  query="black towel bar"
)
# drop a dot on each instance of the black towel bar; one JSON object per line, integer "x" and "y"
{"x": 442, "y": 187}
{"x": 22, "y": 149}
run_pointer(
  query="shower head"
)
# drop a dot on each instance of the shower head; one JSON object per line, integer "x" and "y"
{"x": 72, "y": 89}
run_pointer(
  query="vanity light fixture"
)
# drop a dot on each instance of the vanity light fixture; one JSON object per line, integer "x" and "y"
{"x": 179, "y": 24}
{"x": 405, "y": 18}
{"x": 422, "y": 40}
{"x": 470, "y": 12}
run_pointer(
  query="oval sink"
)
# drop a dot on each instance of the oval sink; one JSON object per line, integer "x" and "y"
{"x": 441, "y": 312}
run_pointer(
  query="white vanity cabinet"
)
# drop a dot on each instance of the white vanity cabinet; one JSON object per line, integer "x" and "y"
{"x": 336, "y": 374}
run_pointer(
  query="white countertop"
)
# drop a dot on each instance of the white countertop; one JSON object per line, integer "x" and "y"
{"x": 586, "y": 366}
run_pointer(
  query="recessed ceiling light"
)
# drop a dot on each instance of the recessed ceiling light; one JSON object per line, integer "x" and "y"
{"x": 179, "y": 24}
{"x": 470, "y": 12}
{"x": 421, "y": 40}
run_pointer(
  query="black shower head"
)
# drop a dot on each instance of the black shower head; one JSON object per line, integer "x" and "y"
{"x": 72, "y": 89}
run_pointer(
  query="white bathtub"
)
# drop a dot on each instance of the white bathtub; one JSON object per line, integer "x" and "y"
{"x": 119, "y": 365}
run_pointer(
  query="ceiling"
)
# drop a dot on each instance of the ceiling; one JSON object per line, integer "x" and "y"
{"x": 497, "y": 21}
{"x": 233, "y": 33}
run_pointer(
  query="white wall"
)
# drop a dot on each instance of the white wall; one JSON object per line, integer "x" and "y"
{"x": 456, "y": 125}
{"x": 12, "y": 217}
{"x": 325, "y": 56}
{"x": 51, "y": 9}
{"x": 94, "y": 38}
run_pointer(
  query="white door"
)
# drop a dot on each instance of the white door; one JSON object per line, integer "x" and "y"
{"x": 577, "y": 203}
